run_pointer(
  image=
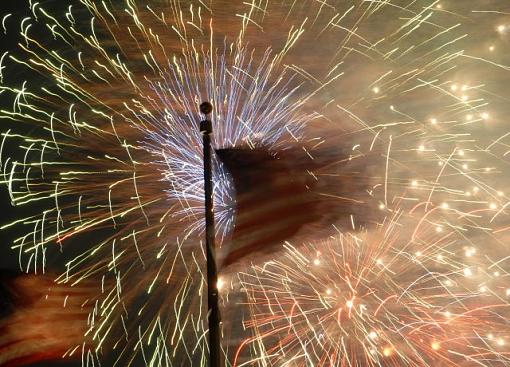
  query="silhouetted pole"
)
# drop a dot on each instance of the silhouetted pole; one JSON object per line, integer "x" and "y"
{"x": 212, "y": 272}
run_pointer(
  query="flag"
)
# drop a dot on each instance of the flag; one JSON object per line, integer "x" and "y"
{"x": 42, "y": 320}
{"x": 275, "y": 198}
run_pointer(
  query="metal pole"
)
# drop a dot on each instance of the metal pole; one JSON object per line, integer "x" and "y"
{"x": 212, "y": 272}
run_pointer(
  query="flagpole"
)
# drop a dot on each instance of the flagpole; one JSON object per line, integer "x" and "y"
{"x": 212, "y": 272}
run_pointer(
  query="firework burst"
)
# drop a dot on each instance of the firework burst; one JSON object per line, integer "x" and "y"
{"x": 404, "y": 101}
{"x": 379, "y": 298}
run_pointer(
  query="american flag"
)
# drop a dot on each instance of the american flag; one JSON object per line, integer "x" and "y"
{"x": 44, "y": 320}
{"x": 274, "y": 200}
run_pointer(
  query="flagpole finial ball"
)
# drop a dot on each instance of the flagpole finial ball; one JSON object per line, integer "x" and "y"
{"x": 206, "y": 108}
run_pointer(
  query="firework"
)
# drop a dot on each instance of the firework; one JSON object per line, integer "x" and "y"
{"x": 379, "y": 298}
{"x": 401, "y": 103}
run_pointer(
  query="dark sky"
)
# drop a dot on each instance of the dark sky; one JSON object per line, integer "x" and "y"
{"x": 8, "y": 43}
{"x": 15, "y": 76}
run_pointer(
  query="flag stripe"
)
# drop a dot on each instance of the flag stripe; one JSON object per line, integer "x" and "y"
{"x": 274, "y": 200}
